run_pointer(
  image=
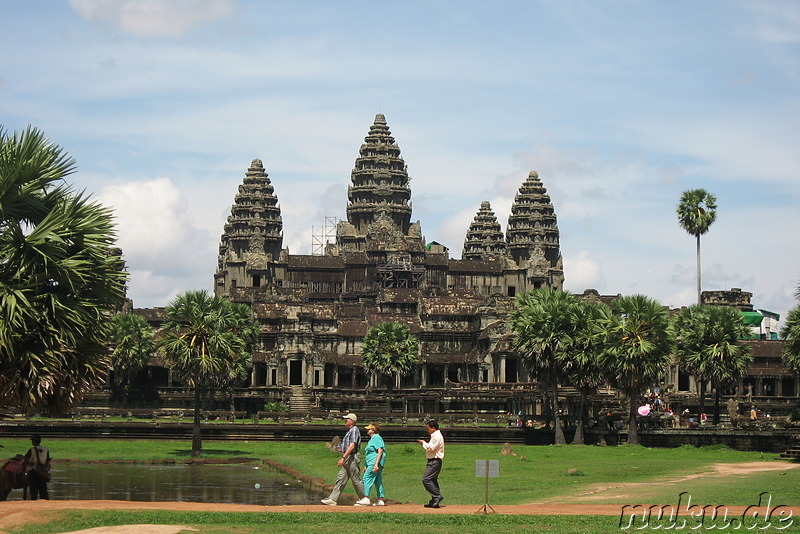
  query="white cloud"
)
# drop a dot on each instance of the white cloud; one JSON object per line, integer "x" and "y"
{"x": 149, "y": 18}
{"x": 582, "y": 272}
{"x": 165, "y": 250}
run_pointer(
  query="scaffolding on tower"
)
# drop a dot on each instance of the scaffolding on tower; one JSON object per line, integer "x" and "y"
{"x": 322, "y": 235}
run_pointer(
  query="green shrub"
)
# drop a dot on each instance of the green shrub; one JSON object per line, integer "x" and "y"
{"x": 275, "y": 407}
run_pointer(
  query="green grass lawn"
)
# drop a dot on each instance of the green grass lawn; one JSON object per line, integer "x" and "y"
{"x": 323, "y": 523}
{"x": 533, "y": 474}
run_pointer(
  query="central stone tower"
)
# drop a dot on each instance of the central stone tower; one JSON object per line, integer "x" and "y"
{"x": 378, "y": 229}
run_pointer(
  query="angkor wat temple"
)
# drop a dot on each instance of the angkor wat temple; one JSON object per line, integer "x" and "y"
{"x": 314, "y": 310}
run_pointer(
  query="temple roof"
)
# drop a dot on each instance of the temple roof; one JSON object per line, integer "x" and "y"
{"x": 315, "y": 262}
{"x": 490, "y": 265}
{"x": 449, "y": 306}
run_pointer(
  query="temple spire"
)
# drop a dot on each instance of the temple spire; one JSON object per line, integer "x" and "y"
{"x": 253, "y": 233}
{"x": 484, "y": 238}
{"x": 532, "y": 236}
{"x": 380, "y": 183}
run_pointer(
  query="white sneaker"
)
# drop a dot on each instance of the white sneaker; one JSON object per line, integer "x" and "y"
{"x": 363, "y": 502}
{"x": 328, "y": 501}
{"x": 379, "y": 502}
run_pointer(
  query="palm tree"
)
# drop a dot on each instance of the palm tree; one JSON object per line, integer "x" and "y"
{"x": 204, "y": 339}
{"x": 637, "y": 337}
{"x": 238, "y": 372}
{"x": 59, "y": 280}
{"x": 132, "y": 345}
{"x": 791, "y": 333}
{"x": 709, "y": 346}
{"x": 582, "y": 362}
{"x": 697, "y": 211}
{"x": 547, "y": 323}
{"x": 390, "y": 348}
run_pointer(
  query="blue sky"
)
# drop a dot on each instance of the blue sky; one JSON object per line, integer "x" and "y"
{"x": 620, "y": 106}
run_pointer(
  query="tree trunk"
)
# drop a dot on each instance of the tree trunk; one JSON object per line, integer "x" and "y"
{"x": 716, "y": 404}
{"x": 702, "y": 406}
{"x": 557, "y": 418}
{"x": 579, "y": 424}
{"x": 699, "y": 300}
{"x": 547, "y": 408}
{"x": 197, "y": 444}
{"x": 633, "y": 428}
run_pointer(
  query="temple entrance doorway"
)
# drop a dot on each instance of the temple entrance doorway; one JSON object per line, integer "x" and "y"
{"x": 511, "y": 370}
{"x": 295, "y": 372}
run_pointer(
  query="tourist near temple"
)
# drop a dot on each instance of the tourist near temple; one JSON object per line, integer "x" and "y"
{"x": 314, "y": 310}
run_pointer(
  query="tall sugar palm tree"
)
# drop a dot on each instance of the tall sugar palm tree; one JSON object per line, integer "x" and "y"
{"x": 637, "y": 345}
{"x": 239, "y": 371}
{"x": 205, "y": 338}
{"x": 791, "y": 333}
{"x": 709, "y": 346}
{"x": 59, "y": 278}
{"x": 582, "y": 362}
{"x": 697, "y": 211}
{"x": 547, "y": 323}
{"x": 132, "y": 344}
{"x": 390, "y": 348}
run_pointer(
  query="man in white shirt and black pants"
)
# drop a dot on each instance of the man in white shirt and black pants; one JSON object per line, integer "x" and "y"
{"x": 434, "y": 452}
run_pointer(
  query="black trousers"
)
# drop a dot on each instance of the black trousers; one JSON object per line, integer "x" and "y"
{"x": 430, "y": 478}
{"x": 37, "y": 486}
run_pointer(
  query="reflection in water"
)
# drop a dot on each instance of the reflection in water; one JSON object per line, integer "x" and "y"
{"x": 188, "y": 483}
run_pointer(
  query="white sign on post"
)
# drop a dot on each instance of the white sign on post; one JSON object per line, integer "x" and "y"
{"x": 487, "y": 468}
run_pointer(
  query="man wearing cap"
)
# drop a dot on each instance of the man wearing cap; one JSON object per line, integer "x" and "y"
{"x": 349, "y": 464}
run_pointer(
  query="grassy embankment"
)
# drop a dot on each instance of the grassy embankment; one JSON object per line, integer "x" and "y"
{"x": 534, "y": 474}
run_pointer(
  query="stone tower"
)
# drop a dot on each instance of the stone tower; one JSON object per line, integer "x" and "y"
{"x": 532, "y": 234}
{"x": 379, "y": 207}
{"x": 484, "y": 238}
{"x": 253, "y": 234}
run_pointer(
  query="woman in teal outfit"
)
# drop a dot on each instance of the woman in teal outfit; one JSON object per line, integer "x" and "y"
{"x": 375, "y": 454}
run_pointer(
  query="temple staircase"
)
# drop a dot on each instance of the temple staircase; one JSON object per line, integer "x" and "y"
{"x": 301, "y": 400}
{"x": 792, "y": 454}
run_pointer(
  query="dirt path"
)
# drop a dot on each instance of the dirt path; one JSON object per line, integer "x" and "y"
{"x": 17, "y": 513}
{"x": 636, "y": 491}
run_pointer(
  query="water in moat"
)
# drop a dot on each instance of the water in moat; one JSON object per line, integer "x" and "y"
{"x": 240, "y": 484}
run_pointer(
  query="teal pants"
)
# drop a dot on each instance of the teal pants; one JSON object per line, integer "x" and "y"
{"x": 373, "y": 479}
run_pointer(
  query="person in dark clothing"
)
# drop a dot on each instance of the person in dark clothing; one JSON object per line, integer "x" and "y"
{"x": 37, "y": 460}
